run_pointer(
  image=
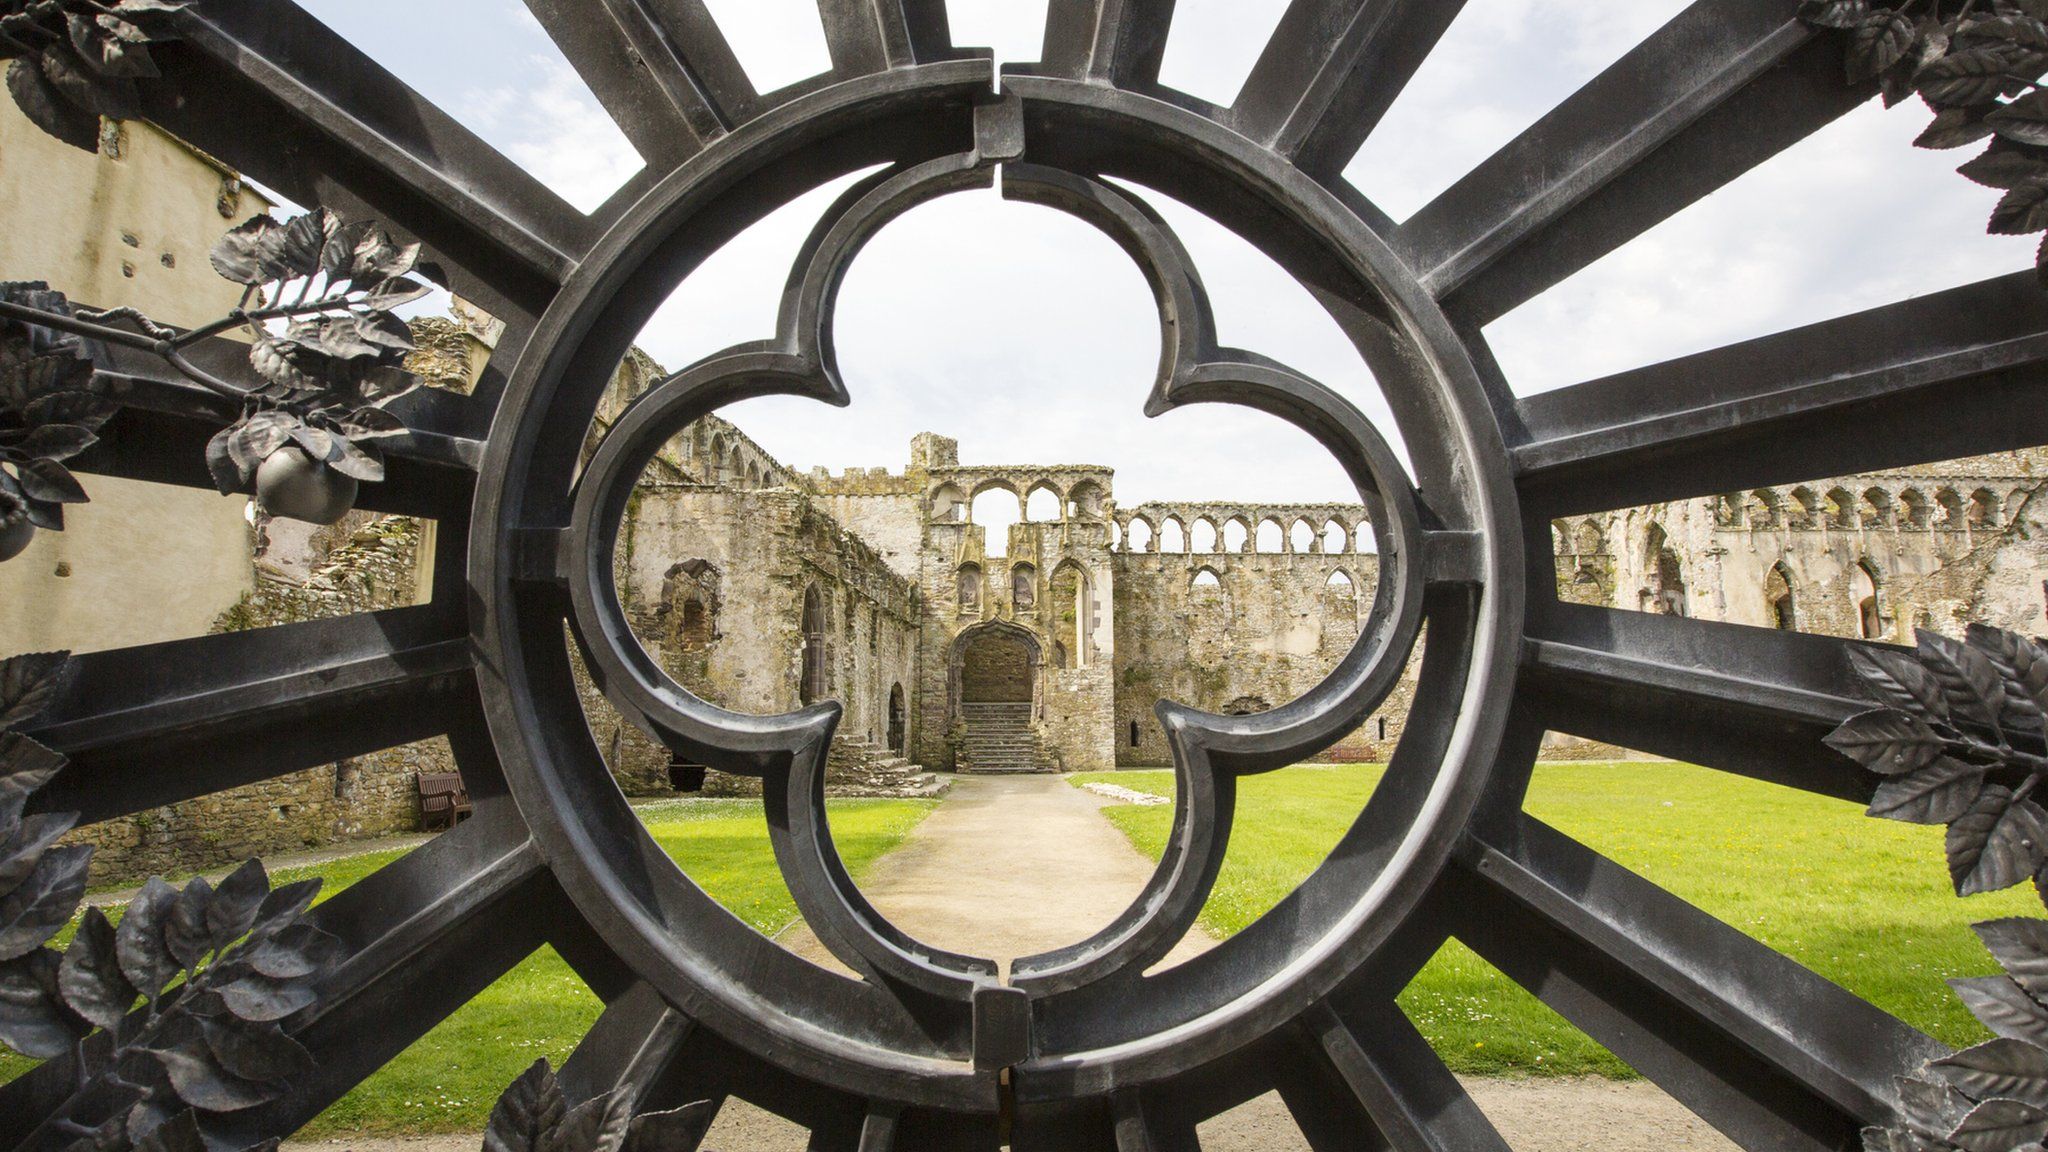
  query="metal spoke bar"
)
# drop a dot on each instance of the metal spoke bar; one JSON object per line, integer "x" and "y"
{"x": 167, "y": 722}
{"x": 1331, "y": 71}
{"x": 630, "y": 66}
{"x": 422, "y": 936}
{"x": 1955, "y": 373}
{"x": 425, "y": 934}
{"x": 275, "y": 93}
{"x": 1723, "y": 87}
{"x": 1755, "y": 701}
{"x": 1417, "y": 1105}
{"x": 1118, "y": 42}
{"x": 1762, "y": 1048}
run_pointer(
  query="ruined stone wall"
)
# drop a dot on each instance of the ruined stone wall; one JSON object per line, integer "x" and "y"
{"x": 729, "y": 588}
{"x": 130, "y": 225}
{"x": 1267, "y": 629}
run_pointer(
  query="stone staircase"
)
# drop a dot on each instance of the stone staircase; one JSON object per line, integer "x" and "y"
{"x": 857, "y": 766}
{"x": 999, "y": 738}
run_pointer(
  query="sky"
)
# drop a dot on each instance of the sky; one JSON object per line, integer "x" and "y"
{"x": 1031, "y": 339}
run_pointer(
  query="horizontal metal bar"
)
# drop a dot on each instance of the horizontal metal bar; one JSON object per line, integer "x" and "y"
{"x": 1951, "y": 374}
{"x": 1724, "y": 86}
{"x": 167, "y": 722}
{"x": 1754, "y": 701}
{"x": 1759, "y": 1046}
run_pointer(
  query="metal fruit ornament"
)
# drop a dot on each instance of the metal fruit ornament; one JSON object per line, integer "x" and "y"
{"x": 291, "y": 483}
{"x": 15, "y": 530}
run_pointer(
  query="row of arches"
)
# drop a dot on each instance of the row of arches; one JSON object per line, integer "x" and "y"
{"x": 1139, "y": 535}
{"x": 1208, "y": 581}
{"x": 728, "y": 461}
{"x": 1909, "y": 507}
{"x": 1000, "y": 502}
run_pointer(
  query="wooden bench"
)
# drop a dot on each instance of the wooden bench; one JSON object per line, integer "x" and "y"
{"x": 443, "y": 801}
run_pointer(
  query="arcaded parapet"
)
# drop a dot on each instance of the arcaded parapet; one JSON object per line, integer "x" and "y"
{"x": 1873, "y": 555}
{"x": 1221, "y": 527}
{"x": 1236, "y": 634}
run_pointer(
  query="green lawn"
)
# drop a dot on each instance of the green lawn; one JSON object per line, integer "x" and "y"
{"x": 448, "y": 1080}
{"x": 1864, "y": 902}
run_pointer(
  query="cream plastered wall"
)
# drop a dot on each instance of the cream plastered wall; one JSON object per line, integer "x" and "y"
{"x": 133, "y": 225}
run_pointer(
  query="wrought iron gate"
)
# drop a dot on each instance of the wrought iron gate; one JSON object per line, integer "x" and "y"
{"x": 1080, "y": 1049}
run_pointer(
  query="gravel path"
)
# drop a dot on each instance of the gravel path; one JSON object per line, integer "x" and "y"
{"x": 1011, "y": 866}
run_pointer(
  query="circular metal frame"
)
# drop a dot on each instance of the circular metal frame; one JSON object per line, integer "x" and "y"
{"x": 1085, "y": 1047}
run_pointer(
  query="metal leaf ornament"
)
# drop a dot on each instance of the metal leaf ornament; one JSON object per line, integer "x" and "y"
{"x": 49, "y": 413}
{"x": 1976, "y": 65}
{"x": 533, "y": 1115}
{"x": 1961, "y": 741}
{"x": 71, "y": 62}
{"x": 173, "y": 1013}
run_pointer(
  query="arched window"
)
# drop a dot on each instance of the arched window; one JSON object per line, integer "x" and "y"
{"x": 1366, "y": 539}
{"x": 1805, "y": 508}
{"x": 1140, "y": 535}
{"x": 996, "y": 509}
{"x": 1073, "y": 615}
{"x": 1235, "y": 534}
{"x": 1664, "y": 593}
{"x": 1779, "y": 598}
{"x": 1116, "y": 536}
{"x": 1202, "y": 537}
{"x": 949, "y": 504}
{"x": 1917, "y": 509}
{"x": 1134, "y": 733}
{"x": 968, "y": 588}
{"x": 1340, "y": 595}
{"x": 1588, "y": 540}
{"x": 1953, "y": 516}
{"x": 1878, "y": 510}
{"x": 1333, "y": 538}
{"x": 1729, "y": 511}
{"x": 1206, "y": 584}
{"x": 817, "y": 648}
{"x": 1085, "y": 501}
{"x": 1271, "y": 537}
{"x": 1766, "y": 509}
{"x": 1042, "y": 504}
{"x": 899, "y": 720}
{"x": 1024, "y": 588}
{"x": 1841, "y": 509}
{"x": 1984, "y": 508}
{"x": 1301, "y": 537}
{"x": 1172, "y": 538}
{"x": 1863, "y": 594}
{"x": 689, "y": 599}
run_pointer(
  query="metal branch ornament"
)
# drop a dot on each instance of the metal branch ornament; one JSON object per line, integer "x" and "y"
{"x": 318, "y": 295}
{"x": 215, "y": 969}
{"x": 1978, "y": 65}
{"x": 533, "y": 1115}
{"x": 71, "y": 62}
{"x": 1961, "y": 742}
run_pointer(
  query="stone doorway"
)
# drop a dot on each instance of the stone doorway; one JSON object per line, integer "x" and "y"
{"x": 995, "y": 674}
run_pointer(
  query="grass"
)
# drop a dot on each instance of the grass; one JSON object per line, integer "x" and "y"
{"x": 449, "y": 1078}
{"x": 1865, "y": 903}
